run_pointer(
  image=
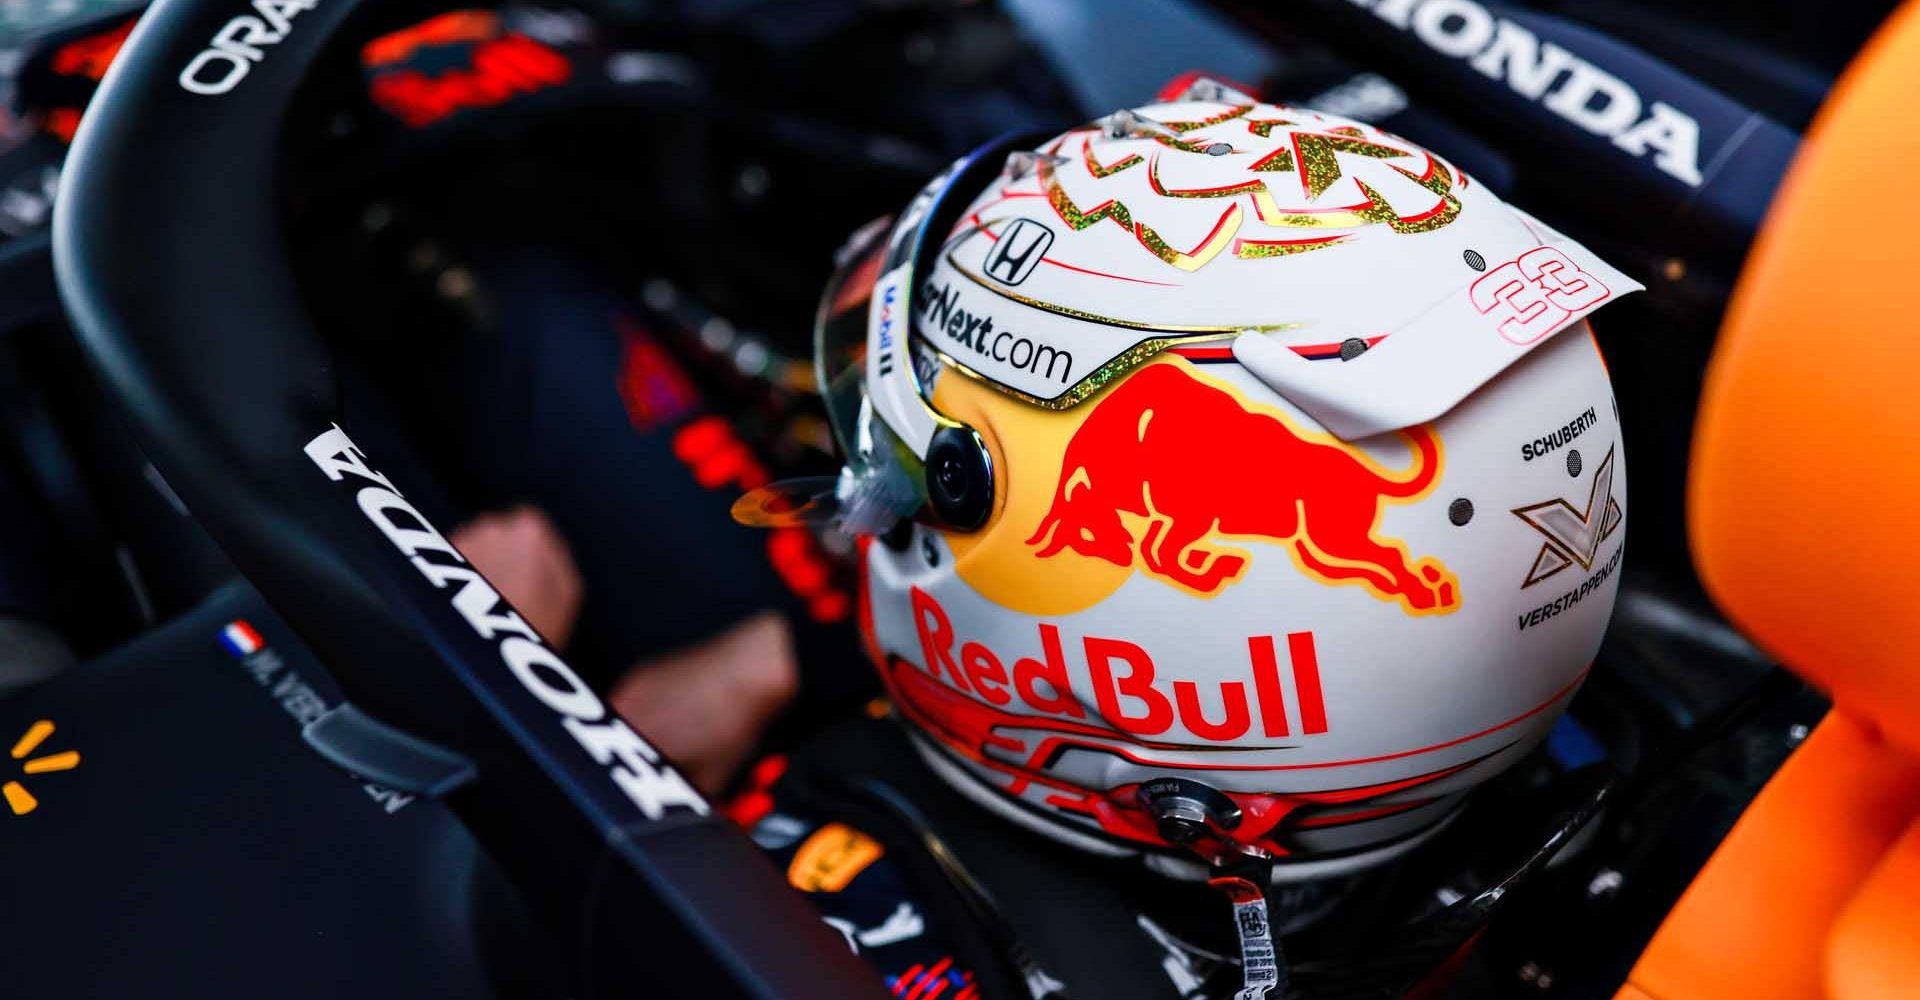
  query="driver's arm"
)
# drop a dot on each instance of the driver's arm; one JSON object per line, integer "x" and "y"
{"x": 705, "y": 705}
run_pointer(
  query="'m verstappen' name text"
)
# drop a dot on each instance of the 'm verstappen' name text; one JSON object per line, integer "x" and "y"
{"x": 1572, "y": 597}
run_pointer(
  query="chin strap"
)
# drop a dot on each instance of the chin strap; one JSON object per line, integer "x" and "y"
{"x": 1244, "y": 879}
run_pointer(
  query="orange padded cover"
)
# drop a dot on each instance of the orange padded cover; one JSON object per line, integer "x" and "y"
{"x": 1758, "y": 923}
{"x": 1805, "y": 500}
{"x": 1805, "y": 519}
{"x": 1874, "y": 950}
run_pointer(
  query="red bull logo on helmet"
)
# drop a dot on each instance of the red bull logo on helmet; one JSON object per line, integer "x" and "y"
{"x": 1130, "y": 694}
{"x": 1071, "y": 695}
{"x": 1171, "y": 466}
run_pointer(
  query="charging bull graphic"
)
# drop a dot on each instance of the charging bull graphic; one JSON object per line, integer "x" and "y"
{"x": 1199, "y": 465}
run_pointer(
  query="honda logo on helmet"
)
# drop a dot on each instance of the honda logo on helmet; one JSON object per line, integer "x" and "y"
{"x": 1018, "y": 251}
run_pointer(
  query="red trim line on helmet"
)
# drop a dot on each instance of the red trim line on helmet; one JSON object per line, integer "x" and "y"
{"x": 1347, "y": 819}
{"x": 1036, "y": 759}
{"x": 1469, "y": 738}
{"x": 1047, "y": 747}
{"x": 1211, "y": 354}
{"x": 1005, "y": 195}
{"x": 989, "y": 234}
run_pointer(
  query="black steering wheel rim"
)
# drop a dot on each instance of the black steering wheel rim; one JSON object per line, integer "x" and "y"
{"x": 171, "y": 261}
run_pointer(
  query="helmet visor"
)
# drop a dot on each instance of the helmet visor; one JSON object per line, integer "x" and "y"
{"x": 867, "y": 366}
{"x": 882, "y": 481}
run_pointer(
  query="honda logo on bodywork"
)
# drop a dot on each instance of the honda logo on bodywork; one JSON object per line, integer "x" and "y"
{"x": 1555, "y": 77}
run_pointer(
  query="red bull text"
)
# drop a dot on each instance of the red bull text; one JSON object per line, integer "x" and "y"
{"x": 1127, "y": 693}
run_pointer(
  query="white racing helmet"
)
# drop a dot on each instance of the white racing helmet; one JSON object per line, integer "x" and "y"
{"x": 1245, "y": 479}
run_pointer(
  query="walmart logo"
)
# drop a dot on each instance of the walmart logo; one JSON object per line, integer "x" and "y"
{"x": 18, "y": 798}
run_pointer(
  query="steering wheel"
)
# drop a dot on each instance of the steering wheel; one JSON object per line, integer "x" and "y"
{"x": 170, "y": 258}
